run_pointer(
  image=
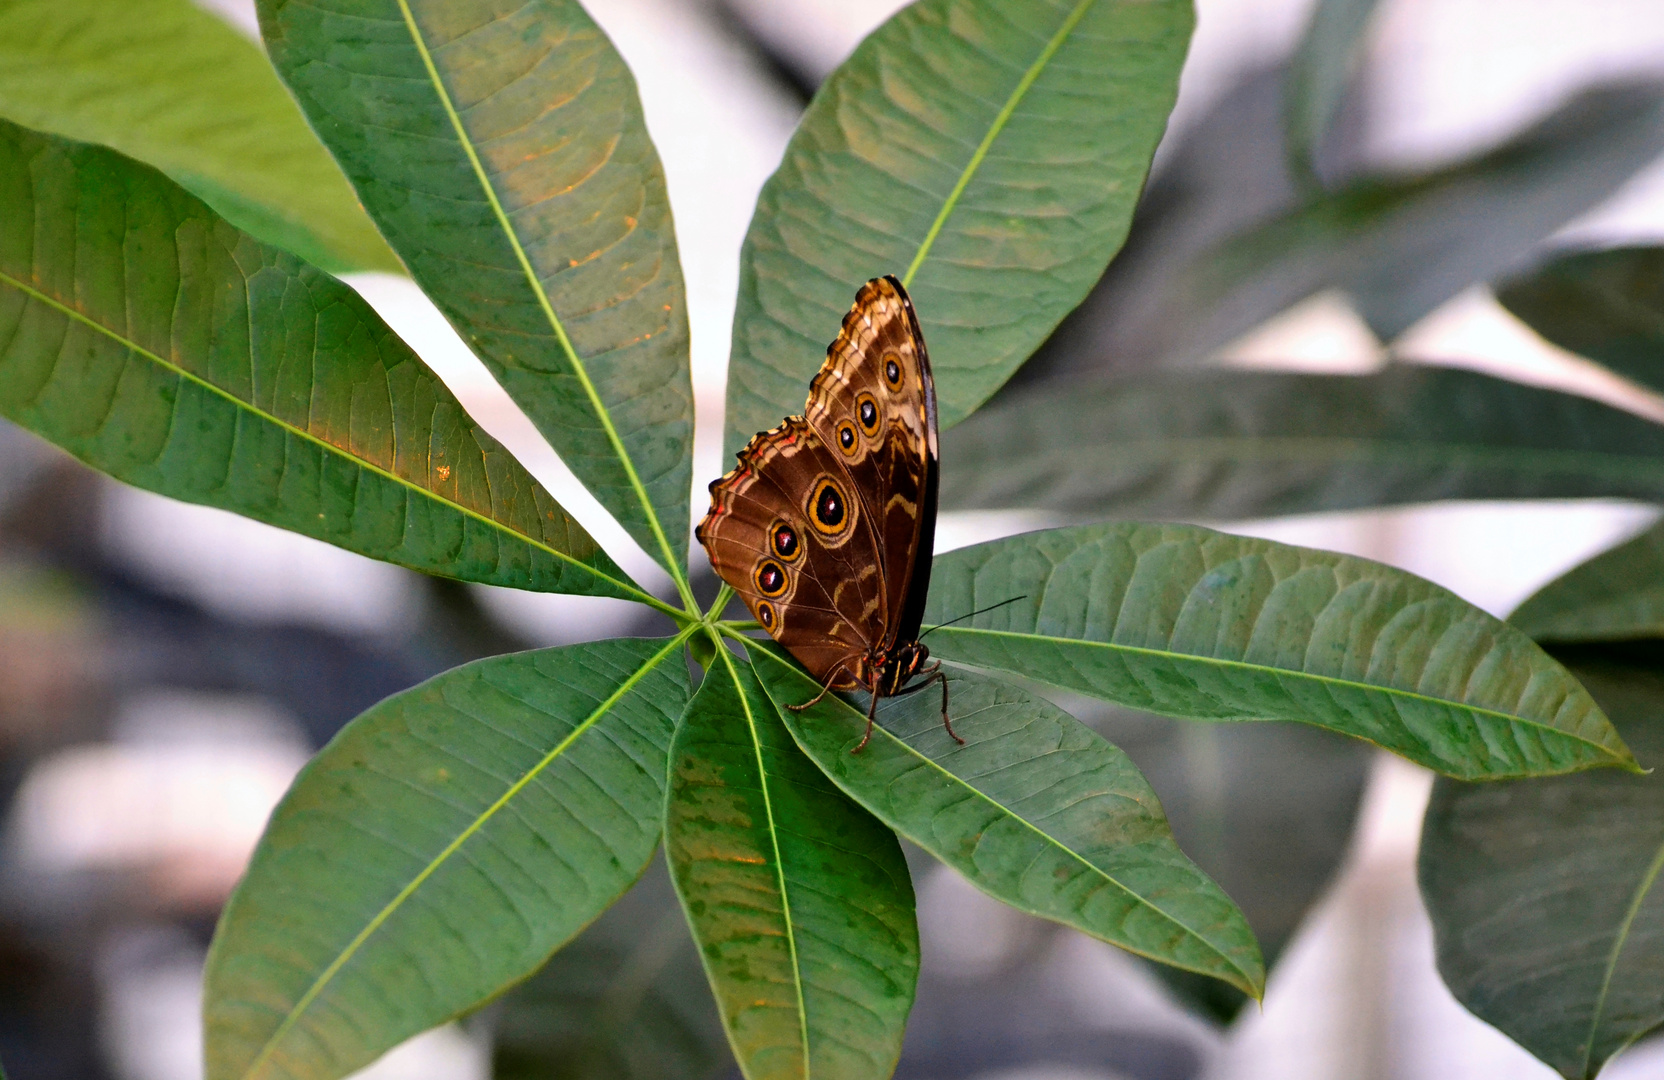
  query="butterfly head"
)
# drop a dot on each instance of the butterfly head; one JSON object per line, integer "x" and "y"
{"x": 886, "y": 673}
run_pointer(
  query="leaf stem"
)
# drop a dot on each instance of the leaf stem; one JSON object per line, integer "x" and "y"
{"x": 677, "y": 572}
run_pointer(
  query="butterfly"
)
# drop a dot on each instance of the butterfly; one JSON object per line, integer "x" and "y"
{"x": 825, "y": 527}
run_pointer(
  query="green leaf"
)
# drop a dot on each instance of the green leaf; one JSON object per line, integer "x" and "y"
{"x": 1606, "y": 305}
{"x": 800, "y": 902}
{"x": 989, "y": 152}
{"x": 500, "y": 146}
{"x": 1232, "y": 444}
{"x": 170, "y": 84}
{"x": 155, "y": 342}
{"x": 1185, "y": 621}
{"x": 1401, "y": 247}
{"x": 1265, "y": 810}
{"x": 1319, "y": 74}
{"x": 1547, "y": 912}
{"x": 625, "y": 1000}
{"x": 1618, "y": 594}
{"x": 438, "y": 850}
{"x": 1034, "y": 809}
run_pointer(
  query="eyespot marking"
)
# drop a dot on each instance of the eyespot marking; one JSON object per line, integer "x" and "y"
{"x": 765, "y": 614}
{"x": 783, "y": 538}
{"x": 770, "y": 578}
{"x": 828, "y": 509}
{"x": 892, "y": 370}
{"x": 866, "y": 411}
{"x": 847, "y": 440}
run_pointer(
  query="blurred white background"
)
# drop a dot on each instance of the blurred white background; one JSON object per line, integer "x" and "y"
{"x": 1357, "y": 997}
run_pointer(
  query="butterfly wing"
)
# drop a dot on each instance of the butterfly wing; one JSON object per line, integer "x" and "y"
{"x": 874, "y": 403}
{"x": 787, "y": 530}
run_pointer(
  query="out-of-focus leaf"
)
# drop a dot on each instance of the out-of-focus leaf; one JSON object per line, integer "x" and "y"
{"x": 1319, "y": 74}
{"x": 170, "y": 84}
{"x": 990, "y": 153}
{"x": 1547, "y": 911}
{"x": 1618, "y": 594}
{"x": 146, "y": 336}
{"x": 1606, "y": 305}
{"x": 1232, "y": 444}
{"x": 438, "y": 850}
{"x": 1266, "y": 810}
{"x": 1185, "y": 621}
{"x": 800, "y": 902}
{"x": 1399, "y": 247}
{"x": 1034, "y": 809}
{"x": 624, "y": 1000}
{"x": 500, "y": 146}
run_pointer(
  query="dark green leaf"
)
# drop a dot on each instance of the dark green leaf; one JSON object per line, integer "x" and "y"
{"x": 500, "y": 147}
{"x": 625, "y": 1000}
{"x": 1230, "y": 444}
{"x": 990, "y": 153}
{"x": 155, "y": 342}
{"x": 1319, "y": 74}
{"x": 1545, "y": 898}
{"x": 1266, "y": 810}
{"x": 1617, "y": 594}
{"x": 438, "y": 850}
{"x": 1606, "y": 305}
{"x": 800, "y": 902}
{"x": 1402, "y": 247}
{"x": 1185, "y": 621}
{"x": 1034, "y": 809}
{"x": 170, "y": 84}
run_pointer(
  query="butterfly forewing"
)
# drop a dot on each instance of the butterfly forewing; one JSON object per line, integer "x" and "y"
{"x": 825, "y": 527}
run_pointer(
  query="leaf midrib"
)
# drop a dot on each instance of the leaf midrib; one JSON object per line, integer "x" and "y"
{"x": 1048, "y": 839}
{"x": 1325, "y": 680}
{"x": 602, "y": 415}
{"x": 1622, "y": 939}
{"x": 1390, "y": 450}
{"x": 774, "y": 843}
{"x": 329, "y": 447}
{"x": 1000, "y": 120}
{"x": 380, "y": 918}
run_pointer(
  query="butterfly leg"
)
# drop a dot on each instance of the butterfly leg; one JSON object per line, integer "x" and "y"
{"x": 872, "y": 710}
{"x": 932, "y": 674}
{"x": 831, "y": 677}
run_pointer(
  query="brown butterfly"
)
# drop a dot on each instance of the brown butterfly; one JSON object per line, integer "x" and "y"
{"x": 825, "y": 528}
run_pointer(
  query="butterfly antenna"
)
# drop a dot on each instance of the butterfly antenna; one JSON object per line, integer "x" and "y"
{"x": 975, "y": 613}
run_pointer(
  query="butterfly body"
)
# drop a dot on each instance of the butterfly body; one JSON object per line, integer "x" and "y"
{"x": 825, "y": 527}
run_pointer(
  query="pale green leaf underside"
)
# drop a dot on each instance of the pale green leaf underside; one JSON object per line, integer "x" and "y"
{"x": 1185, "y": 621}
{"x": 438, "y": 850}
{"x": 1618, "y": 594}
{"x": 146, "y": 336}
{"x": 799, "y": 900}
{"x": 1546, "y": 898}
{"x": 500, "y": 146}
{"x": 1227, "y": 444}
{"x": 1034, "y": 809}
{"x": 168, "y": 83}
{"x": 990, "y": 153}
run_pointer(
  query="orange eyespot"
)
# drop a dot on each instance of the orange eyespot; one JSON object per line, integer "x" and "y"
{"x": 866, "y": 411}
{"x": 785, "y": 542}
{"x": 770, "y": 578}
{"x": 892, "y": 370}
{"x": 765, "y": 614}
{"x": 828, "y": 509}
{"x": 848, "y": 441}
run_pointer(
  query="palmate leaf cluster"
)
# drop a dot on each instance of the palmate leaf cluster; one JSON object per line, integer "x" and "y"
{"x": 164, "y": 319}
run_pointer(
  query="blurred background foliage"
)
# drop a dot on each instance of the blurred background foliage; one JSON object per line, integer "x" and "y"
{"x": 1289, "y": 330}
